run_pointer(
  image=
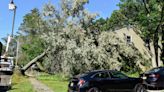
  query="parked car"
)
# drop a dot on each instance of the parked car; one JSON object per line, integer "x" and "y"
{"x": 105, "y": 81}
{"x": 154, "y": 78}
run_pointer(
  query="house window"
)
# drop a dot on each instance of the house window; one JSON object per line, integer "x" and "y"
{"x": 129, "y": 39}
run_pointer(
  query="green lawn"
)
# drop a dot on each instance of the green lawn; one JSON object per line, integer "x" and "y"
{"x": 21, "y": 84}
{"x": 55, "y": 82}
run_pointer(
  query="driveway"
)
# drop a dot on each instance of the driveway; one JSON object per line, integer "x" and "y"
{"x": 38, "y": 86}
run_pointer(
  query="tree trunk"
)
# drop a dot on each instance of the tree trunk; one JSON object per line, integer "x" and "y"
{"x": 156, "y": 45}
{"x": 41, "y": 68}
{"x": 162, "y": 54}
{"x": 33, "y": 61}
{"x": 162, "y": 28}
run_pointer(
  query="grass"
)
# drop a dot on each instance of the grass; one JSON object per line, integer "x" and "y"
{"x": 21, "y": 84}
{"x": 133, "y": 74}
{"x": 56, "y": 82}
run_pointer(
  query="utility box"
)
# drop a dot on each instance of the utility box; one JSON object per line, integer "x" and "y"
{"x": 6, "y": 71}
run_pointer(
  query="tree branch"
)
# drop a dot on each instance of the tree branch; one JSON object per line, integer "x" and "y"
{"x": 162, "y": 14}
{"x": 146, "y": 8}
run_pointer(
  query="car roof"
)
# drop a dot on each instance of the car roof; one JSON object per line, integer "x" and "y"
{"x": 92, "y": 72}
{"x": 161, "y": 67}
{"x": 154, "y": 70}
{"x": 158, "y": 68}
{"x": 95, "y": 71}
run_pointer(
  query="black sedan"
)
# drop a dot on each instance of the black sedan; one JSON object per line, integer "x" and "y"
{"x": 105, "y": 81}
{"x": 154, "y": 78}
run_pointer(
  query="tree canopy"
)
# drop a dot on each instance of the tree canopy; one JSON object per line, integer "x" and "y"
{"x": 148, "y": 16}
{"x": 77, "y": 41}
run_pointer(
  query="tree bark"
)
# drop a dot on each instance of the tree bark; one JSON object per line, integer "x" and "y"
{"x": 41, "y": 68}
{"x": 28, "y": 65}
{"x": 156, "y": 47}
{"x": 162, "y": 50}
{"x": 146, "y": 8}
{"x": 162, "y": 28}
{"x": 156, "y": 36}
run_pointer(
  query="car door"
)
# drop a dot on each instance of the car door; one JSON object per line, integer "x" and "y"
{"x": 120, "y": 81}
{"x": 161, "y": 79}
{"x": 100, "y": 80}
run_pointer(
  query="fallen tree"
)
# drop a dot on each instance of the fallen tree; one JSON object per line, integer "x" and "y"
{"x": 35, "y": 60}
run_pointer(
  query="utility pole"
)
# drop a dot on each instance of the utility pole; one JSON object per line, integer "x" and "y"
{"x": 0, "y": 49}
{"x": 13, "y": 7}
{"x": 17, "y": 53}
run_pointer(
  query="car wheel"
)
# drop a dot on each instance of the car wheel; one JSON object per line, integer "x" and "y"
{"x": 139, "y": 88}
{"x": 94, "y": 89}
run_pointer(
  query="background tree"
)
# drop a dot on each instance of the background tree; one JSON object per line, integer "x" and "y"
{"x": 116, "y": 21}
{"x": 148, "y": 15}
{"x": 31, "y": 44}
{"x": 99, "y": 24}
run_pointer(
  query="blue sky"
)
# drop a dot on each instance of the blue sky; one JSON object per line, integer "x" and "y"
{"x": 103, "y": 7}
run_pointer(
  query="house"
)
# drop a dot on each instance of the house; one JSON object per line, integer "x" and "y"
{"x": 132, "y": 37}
